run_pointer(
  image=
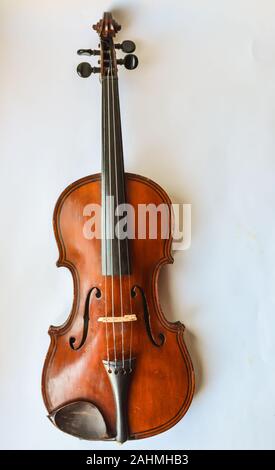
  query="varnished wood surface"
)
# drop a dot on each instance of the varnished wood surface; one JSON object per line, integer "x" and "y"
{"x": 162, "y": 383}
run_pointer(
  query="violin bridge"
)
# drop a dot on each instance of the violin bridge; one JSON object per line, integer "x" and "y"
{"x": 114, "y": 319}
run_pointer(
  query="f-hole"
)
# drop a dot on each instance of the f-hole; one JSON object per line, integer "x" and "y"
{"x": 161, "y": 336}
{"x": 86, "y": 318}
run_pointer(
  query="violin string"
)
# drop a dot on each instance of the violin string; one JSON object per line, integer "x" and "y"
{"x": 105, "y": 215}
{"x": 118, "y": 241}
{"x": 110, "y": 218}
{"x": 131, "y": 308}
{"x": 128, "y": 260}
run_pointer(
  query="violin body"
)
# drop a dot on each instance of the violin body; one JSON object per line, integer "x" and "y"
{"x": 162, "y": 385}
{"x": 117, "y": 369}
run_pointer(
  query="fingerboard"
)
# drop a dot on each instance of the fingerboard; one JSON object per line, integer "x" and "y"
{"x": 114, "y": 248}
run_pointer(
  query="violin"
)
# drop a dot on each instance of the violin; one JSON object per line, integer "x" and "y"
{"x": 117, "y": 369}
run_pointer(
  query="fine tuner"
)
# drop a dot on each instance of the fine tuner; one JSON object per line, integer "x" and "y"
{"x": 130, "y": 61}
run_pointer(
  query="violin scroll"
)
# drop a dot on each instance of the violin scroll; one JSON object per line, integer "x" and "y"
{"x": 107, "y": 28}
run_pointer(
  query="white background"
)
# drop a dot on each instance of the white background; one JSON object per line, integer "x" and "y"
{"x": 198, "y": 118}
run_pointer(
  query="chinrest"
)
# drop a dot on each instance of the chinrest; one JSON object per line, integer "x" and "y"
{"x": 80, "y": 419}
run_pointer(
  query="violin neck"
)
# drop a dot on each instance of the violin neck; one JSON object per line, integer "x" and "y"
{"x": 112, "y": 148}
{"x": 114, "y": 252}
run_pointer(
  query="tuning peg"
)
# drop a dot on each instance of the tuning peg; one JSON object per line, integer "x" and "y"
{"x": 130, "y": 61}
{"x": 126, "y": 46}
{"x": 88, "y": 52}
{"x": 84, "y": 69}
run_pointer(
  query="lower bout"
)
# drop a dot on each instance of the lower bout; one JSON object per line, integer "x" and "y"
{"x": 156, "y": 395}
{"x": 156, "y": 406}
